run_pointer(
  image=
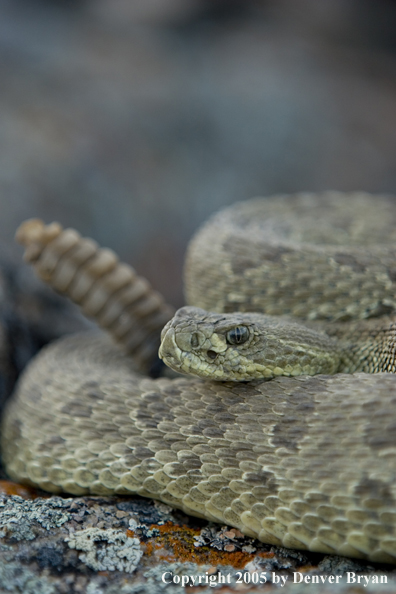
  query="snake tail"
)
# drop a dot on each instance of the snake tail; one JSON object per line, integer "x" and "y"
{"x": 108, "y": 291}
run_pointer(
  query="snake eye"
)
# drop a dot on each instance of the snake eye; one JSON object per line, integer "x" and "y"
{"x": 237, "y": 335}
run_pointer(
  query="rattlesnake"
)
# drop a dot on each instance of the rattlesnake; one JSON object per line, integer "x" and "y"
{"x": 302, "y": 461}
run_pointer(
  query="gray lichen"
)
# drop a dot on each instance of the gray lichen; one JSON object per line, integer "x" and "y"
{"x": 333, "y": 564}
{"x": 224, "y": 539}
{"x": 16, "y": 578}
{"x": 106, "y": 549}
{"x": 18, "y": 516}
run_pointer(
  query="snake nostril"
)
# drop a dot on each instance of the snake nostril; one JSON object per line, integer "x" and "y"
{"x": 212, "y": 354}
{"x": 194, "y": 340}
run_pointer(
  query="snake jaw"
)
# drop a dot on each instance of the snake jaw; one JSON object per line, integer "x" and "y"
{"x": 168, "y": 350}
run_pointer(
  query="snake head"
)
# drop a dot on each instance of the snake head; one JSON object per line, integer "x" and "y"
{"x": 201, "y": 343}
{"x": 243, "y": 346}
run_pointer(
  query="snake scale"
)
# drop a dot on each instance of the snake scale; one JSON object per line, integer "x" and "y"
{"x": 303, "y": 461}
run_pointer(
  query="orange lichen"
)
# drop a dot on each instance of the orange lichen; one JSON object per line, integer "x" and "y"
{"x": 179, "y": 543}
{"x": 130, "y": 533}
{"x": 266, "y": 554}
{"x": 11, "y": 488}
{"x": 148, "y": 548}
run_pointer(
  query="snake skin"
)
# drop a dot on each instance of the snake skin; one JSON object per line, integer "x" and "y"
{"x": 304, "y": 462}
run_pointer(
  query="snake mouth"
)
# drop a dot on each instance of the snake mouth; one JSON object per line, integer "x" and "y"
{"x": 168, "y": 351}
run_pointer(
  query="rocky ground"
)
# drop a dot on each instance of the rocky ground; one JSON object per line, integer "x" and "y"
{"x": 97, "y": 545}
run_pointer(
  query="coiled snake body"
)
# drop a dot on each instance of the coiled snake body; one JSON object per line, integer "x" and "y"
{"x": 300, "y": 461}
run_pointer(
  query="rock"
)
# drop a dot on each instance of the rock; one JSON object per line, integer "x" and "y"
{"x": 31, "y": 315}
{"x": 111, "y": 545}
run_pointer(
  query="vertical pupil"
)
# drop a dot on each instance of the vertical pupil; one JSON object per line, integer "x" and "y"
{"x": 238, "y": 335}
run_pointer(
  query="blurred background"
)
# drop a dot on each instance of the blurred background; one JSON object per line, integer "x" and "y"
{"x": 134, "y": 121}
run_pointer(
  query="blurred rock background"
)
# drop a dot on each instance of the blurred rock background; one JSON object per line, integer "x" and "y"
{"x": 133, "y": 121}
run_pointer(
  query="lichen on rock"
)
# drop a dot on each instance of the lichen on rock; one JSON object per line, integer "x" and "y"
{"x": 19, "y": 516}
{"x": 106, "y": 549}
